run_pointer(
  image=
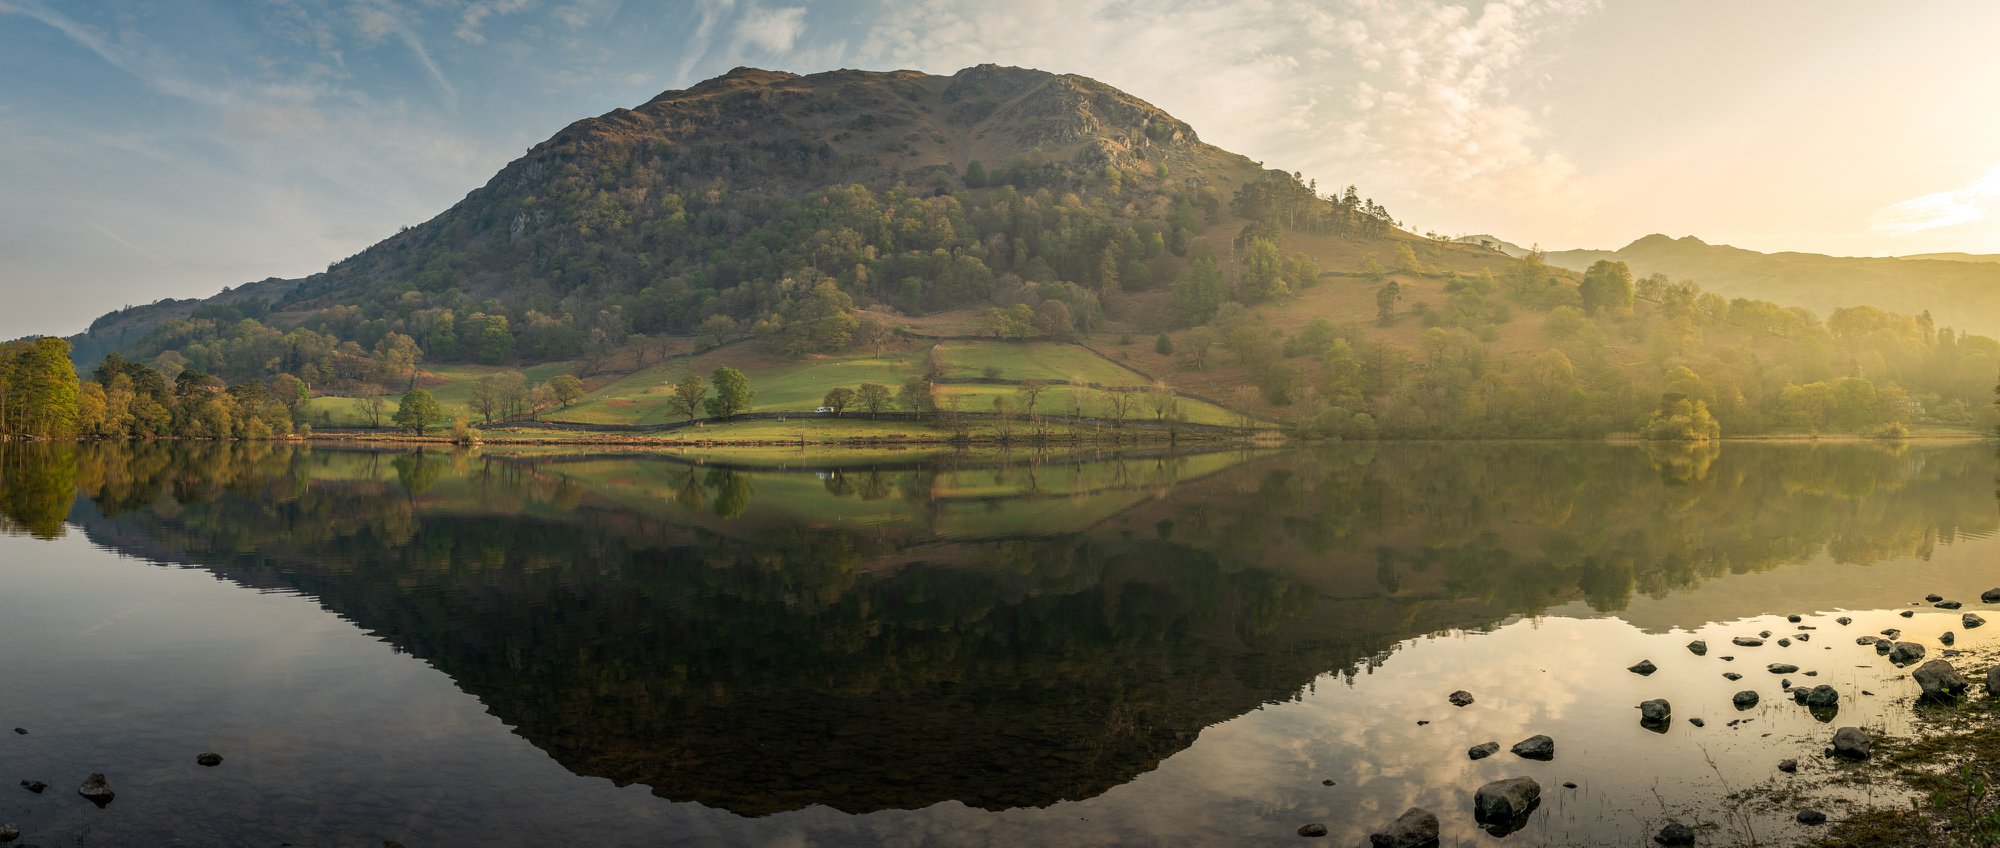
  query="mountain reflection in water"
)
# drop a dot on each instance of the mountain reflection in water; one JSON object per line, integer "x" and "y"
{"x": 1002, "y": 633}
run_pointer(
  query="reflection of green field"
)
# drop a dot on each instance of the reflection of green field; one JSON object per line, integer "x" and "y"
{"x": 977, "y": 502}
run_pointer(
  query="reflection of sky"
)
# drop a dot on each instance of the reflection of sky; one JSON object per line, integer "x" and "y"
{"x": 132, "y": 669}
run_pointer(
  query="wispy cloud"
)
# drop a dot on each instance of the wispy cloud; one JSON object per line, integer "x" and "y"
{"x": 1969, "y": 204}
{"x": 772, "y": 30}
{"x": 380, "y": 19}
{"x": 475, "y": 14}
{"x": 1427, "y": 104}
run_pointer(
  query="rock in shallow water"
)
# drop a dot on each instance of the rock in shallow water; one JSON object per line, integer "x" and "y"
{"x": 1698, "y": 648}
{"x": 1745, "y": 699}
{"x": 1788, "y": 765}
{"x": 1313, "y": 830}
{"x": 1782, "y": 668}
{"x": 1970, "y": 620}
{"x": 1852, "y": 743}
{"x": 1904, "y": 653}
{"x": 1906, "y": 613}
{"x": 1810, "y": 817}
{"x": 1843, "y": 620}
{"x": 1483, "y": 750}
{"x": 1933, "y": 598}
{"x": 1675, "y": 833}
{"x": 1643, "y": 668}
{"x": 34, "y": 786}
{"x": 1536, "y": 747}
{"x": 1990, "y": 596}
{"x": 97, "y": 789}
{"x": 1730, "y": 675}
{"x": 1993, "y": 682}
{"x": 1415, "y": 828}
{"x": 1822, "y": 696}
{"x": 9, "y": 832}
{"x": 210, "y": 759}
{"x": 1746, "y": 641}
{"x": 1459, "y": 698}
{"x": 1939, "y": 680}
{"x": 1655, "y": 711}
{"x": 1950, "y": 605}
{"x": 1505, "y": 800}
{"x": 1947, "y": 638}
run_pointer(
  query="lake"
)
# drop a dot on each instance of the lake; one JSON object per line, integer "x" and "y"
{"x": 546, "y": 648}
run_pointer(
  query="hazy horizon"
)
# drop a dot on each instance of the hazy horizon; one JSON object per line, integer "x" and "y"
{"x": 171, "y": 153}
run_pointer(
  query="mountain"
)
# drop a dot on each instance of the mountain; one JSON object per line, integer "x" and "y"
{"x": 1956, "y": 257}
{"x": 738, "y": 194}
{"x": 1963, "y": 294}
{"x": 1494, "y": 243}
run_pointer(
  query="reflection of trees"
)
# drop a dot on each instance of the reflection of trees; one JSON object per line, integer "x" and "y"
{"x": 37, "y": 485}
{"x": 761, "y": 664}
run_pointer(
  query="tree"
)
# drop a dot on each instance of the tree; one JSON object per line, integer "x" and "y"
{"x": 837, "y": 399}
{"x": 1030, "y": 391}
{"x": 1406, "y": 259}
{"x": 567, "y": 388}
{"x": 732, "y": 393}
{"x": 418, "y": 412}
{"x": 718, "y": 329}
{"x": 1163, "y": 345}
{"x": 686, "y": 399}
{"x": 293, "y": 393}
{"x": 1198, "y": 292}
{"x": 1163, "y": 400}
{"x": 872, "y": 397}
{"x": 975, "y": 174}
{"x": 1607, "y": 286}
{"x": 485, "y": 399}
{"x": 919, "y": 394}
{"x": 371, "y": 409}
{"x": 1197, "y": 343}
{"x": 1263, "y": 273}
{"x": 1385, "y": 303}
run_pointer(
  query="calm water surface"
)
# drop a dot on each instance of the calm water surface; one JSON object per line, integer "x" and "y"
{"x": 538, "y": 649}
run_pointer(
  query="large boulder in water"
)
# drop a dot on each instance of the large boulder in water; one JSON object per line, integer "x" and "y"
{"x": 1459, "y": 698}
{"x": 1852, "y": 743}
{"x": 1675, "y": 834}
{"x": 1698, "y": 647}
{"x": 1415, "y": 828}
{"x": 1822, "y": 696}
{"x": 1656, "y": 711}
{"x": 1643, "y": 668}
{"x": 1745, "y": 699}
{"x": 1939, "y": 680}
{"x": 1904, "y": 653}
{"x": 1990, "y": 596}
{"x": 97, "y": 789}
{"x": 1537, "y": 747}
{"x": 1482, "y": 750}
{"x": 1503, "y": 801}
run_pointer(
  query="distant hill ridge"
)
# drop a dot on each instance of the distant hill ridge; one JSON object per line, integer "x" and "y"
{"x": 1959, "y": 292}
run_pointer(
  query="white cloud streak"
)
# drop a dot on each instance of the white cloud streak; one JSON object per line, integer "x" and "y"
{"x": 1969, "y": 204}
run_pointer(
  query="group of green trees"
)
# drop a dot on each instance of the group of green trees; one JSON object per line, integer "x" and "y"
{"x": 42, "y": 397}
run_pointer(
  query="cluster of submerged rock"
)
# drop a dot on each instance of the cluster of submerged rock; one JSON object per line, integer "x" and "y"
{"x": 96, "y": 789}
{"x": 1503, "y": 806}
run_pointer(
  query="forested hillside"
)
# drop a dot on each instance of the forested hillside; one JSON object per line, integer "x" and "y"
{"x": 1958, "y": 289}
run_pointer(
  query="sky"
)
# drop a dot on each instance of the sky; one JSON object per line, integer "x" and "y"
{"x": 168, "y": 148}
